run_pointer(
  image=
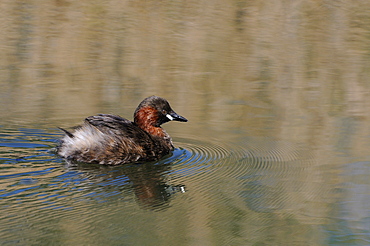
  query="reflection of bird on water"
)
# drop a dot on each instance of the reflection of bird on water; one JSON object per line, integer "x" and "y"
{"x": 150, "y": 186}
{"x": 149, "y": 181}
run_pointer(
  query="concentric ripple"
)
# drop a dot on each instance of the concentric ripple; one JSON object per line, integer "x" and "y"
{"x": 262, "y": 170}
{"x": 279, "y": 158}
{"x": 199, "y": 159}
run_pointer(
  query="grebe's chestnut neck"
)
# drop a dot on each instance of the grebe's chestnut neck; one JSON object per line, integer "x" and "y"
{"x": 154, "y": 111}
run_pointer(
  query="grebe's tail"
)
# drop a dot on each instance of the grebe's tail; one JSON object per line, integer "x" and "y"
{"x": 69, "y": 134}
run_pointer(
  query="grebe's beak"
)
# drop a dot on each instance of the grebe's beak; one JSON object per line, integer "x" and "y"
{"x": 173, "y": 116}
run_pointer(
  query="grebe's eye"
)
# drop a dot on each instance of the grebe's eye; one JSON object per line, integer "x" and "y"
{"x": 164, "y": 112}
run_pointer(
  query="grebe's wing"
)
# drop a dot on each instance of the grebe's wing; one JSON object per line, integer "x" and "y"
{"x": 117, "y": 126}
{"x": 107, "y": 121}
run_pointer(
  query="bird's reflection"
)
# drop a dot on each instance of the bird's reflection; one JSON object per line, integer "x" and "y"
{"x": 149, "y": 181}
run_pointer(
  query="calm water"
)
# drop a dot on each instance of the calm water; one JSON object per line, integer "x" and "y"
{"x": 276, "y": 150}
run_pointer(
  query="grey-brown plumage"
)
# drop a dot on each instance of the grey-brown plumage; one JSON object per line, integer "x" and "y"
{"x": 112, "y": 140}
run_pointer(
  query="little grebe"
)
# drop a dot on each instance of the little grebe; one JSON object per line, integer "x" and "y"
{"x": 112, "y": 140}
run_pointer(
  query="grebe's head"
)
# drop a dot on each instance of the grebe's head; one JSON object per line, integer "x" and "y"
{"x": 154, "y": 111}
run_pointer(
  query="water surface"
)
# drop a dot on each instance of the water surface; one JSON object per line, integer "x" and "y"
{"x": 276, "y": 150}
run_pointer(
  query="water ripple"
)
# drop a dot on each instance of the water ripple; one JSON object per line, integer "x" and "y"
{"x": 37, "y": 171}
{"x": 265, "y": 175}
{"x": 263, "y": 169}
{"x": 200, "y": 159}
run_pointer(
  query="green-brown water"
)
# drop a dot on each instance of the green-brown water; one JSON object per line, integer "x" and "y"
{"x": 276, "y": 150}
